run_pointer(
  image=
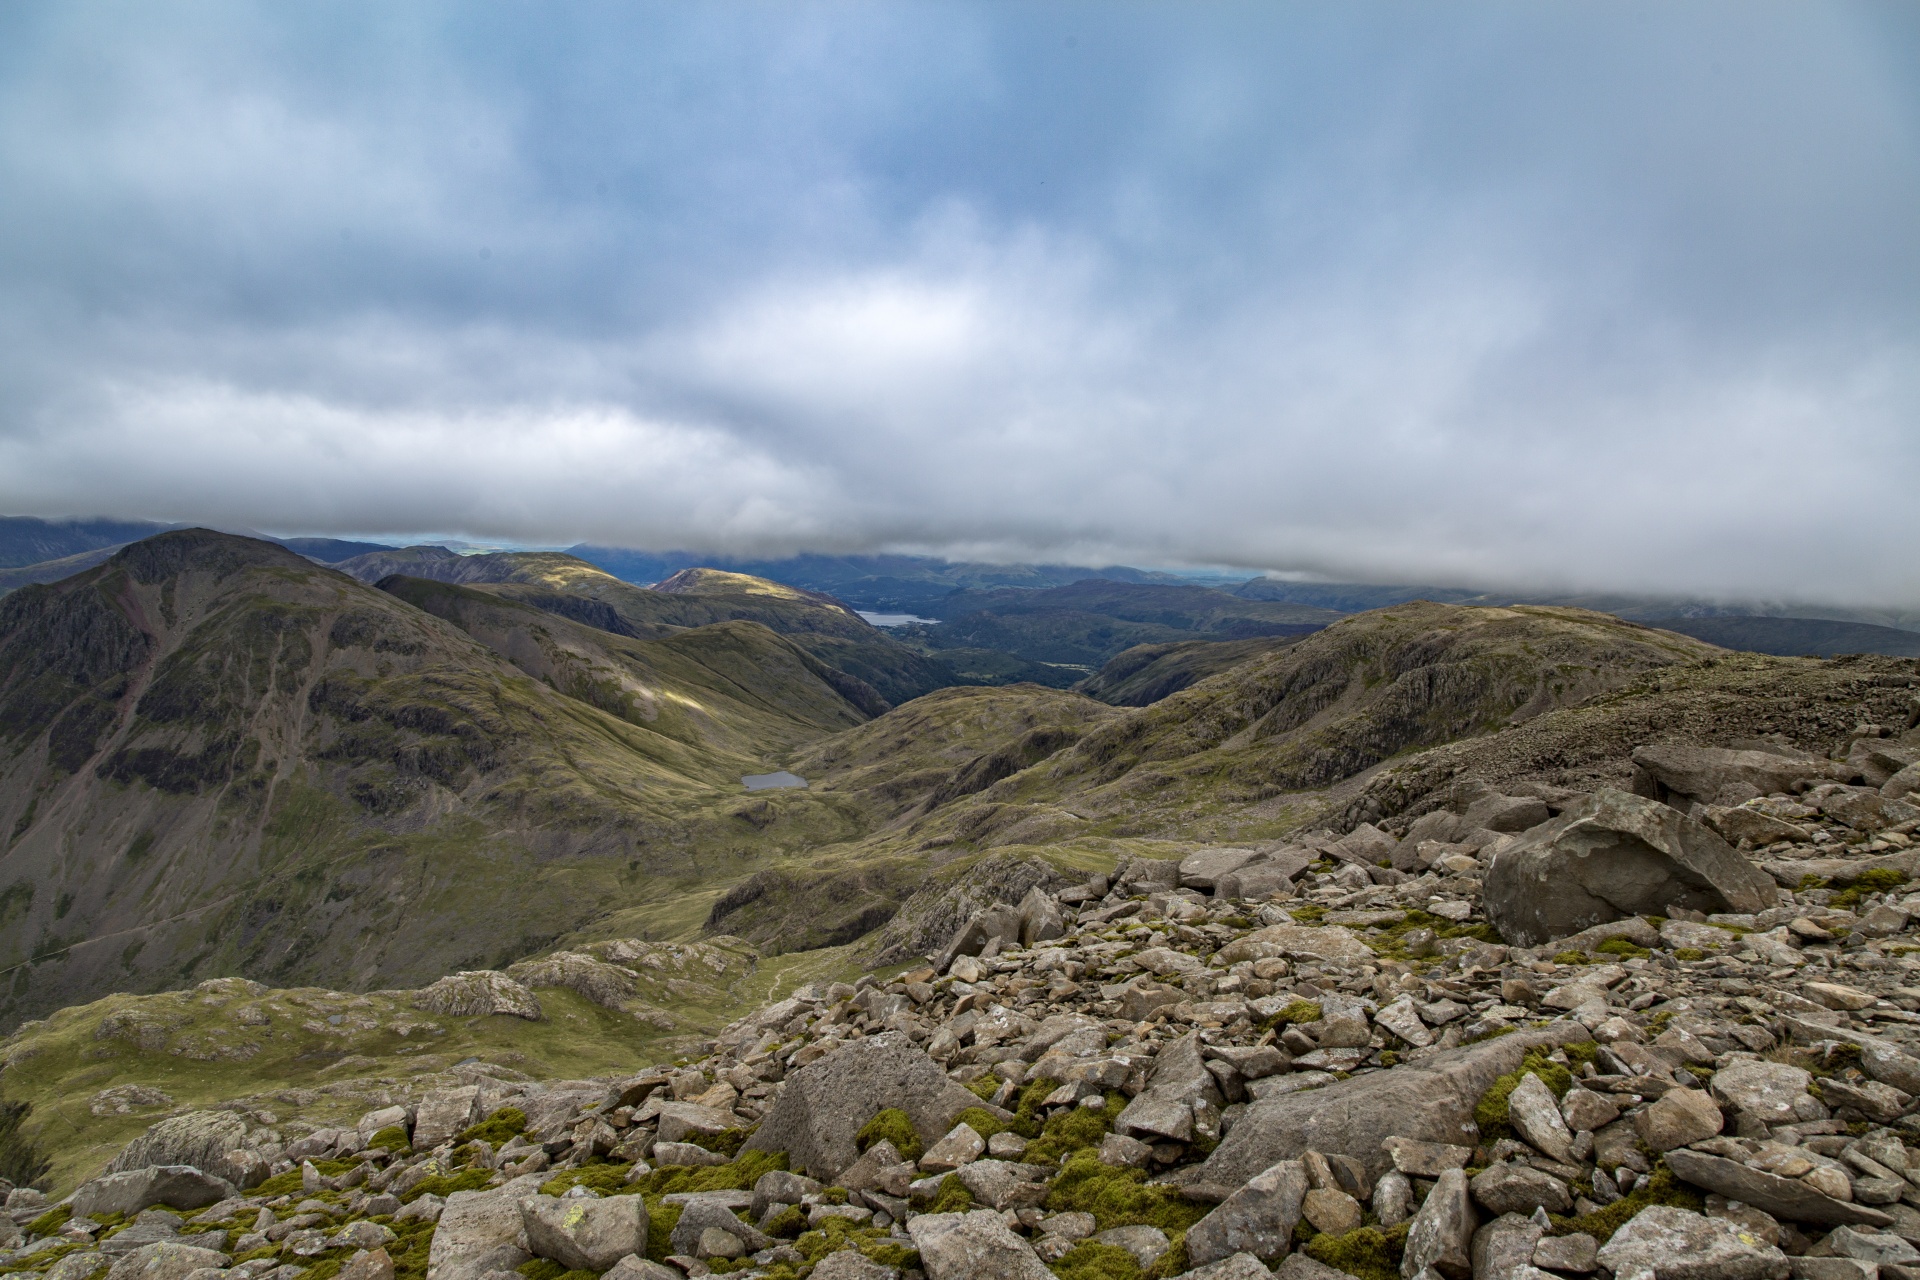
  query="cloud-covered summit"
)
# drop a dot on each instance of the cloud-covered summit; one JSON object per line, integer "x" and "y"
{"x": 1610, "y": 296}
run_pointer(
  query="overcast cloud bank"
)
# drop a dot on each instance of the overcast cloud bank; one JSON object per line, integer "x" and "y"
{"x": 1598, "y": 296}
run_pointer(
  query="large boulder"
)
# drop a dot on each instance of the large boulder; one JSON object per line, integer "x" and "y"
{"x": 585, "y": 1235}
{"x": 165, "y": 1260}
{"x": 973, "y": 1246}
{"x": 1259, "y": 1218}
{"x": 825, "y": 1103}
{"x": 1614, "y": 855}
{"x": 178, "y": 1186}
{"x": 442, "y": 1114}
{"x": 1716, "y": 775}
{"x": 213, "y": 1142}
{"x": 1677, "y": 1245}
{"x": 481, "y": 1232}
{"x": 1431, "y": 1100}
{"x": 1180, "y": 1080}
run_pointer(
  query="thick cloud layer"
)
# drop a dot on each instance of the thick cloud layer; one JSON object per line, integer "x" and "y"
{"x": 1610, "y": 295}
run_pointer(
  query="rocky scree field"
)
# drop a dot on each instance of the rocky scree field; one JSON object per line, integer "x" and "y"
{"x": 1692, "y": 1049}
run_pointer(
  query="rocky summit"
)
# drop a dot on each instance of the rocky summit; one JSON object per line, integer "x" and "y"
{"x": 1659, "y": 1032}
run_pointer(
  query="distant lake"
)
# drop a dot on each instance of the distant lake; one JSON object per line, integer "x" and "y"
{"x": 772, "y": 781}
{"x": 893, "y": 619}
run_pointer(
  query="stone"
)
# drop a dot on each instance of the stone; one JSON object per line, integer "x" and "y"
{"x": 210, "y": 1141}
{"x": 177, "y": 1186}
{"x": 851, "y": 1264}
{"x": 478, "y": 1232}
{"x": 1757, "y": 828}
{"x": 825, "y": 1103}
{"x": 1878, "y": 1102}
{"x": 780, "y": 1187}
{"x": 1441, "y": 1234}
{"x": 973, "y": 1246}
{"x": 1040, "y": 918}
{"x": 1327, "y": 943}
{"x": 1585, "y": 1109}
{"x": 165, "y": 1260}
{"x": 1241, "y": 1266}
{"x": 1298, "y": 1266}
{"x": 716, "y": 1243}
{"x": 1790, "y": 1198}
{"x": 1124, "y": 1152}
{"x": 1576, "y": 1253}
{"x": 1838, "y": 995}
{"x": 1425, "y": 1159}
{"x": 368, "y": 1264}
{"x": 1430, "y": 1100}
{"x": 1674, "y": 1244}
{"x": 1495, "y": 812}
{"x": 1808, "y": 1268}
{"x": 1203, "y": 868}
{"x": 1767, "y": 1091}
{"x": 1678, "y": 1117}
{"x": 1519, "y": 1188}
{"x": 685, "y": 1154}
{"x": 959, "y": 1147}
{"x": 682, "y": 1120}
{"x": 706, "y": 1215}
{"x": 477, "y": 993}
{"x": 1258, "y": 1219}
{"x": 443, "y": 1113}
{"x": 1902, "y": 785}
{"x": 1366, "y": 845}
{"x": 1504, "y": 1247}
{"x": 1001, "y": 1184}
{"x": 1535, "y": 1114}
{"x": 1611, "y": 855}
{"x": 1331, "y": 1211}
{"x": 1848, "y": 1242}
{"x": 1147, "y": 1244}
{"x": 1717, "y": 775}
{"x": 1179, "y": 1080}
{"x": 1393, "y": 1198}
{"x": 1274, "y": 875}
{"x": 1403, "y": 1020}
{"x": 585, "y": 1235}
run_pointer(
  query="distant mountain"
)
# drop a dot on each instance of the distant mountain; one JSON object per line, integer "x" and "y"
{"x": 26, "y": 540}
{"x": 329, "y": 550}
{"x": 883, "y": 584}
{"x": 1144, "y": 674}
{"x": 217, "y": 757}
{"x": 1793, "y": 637}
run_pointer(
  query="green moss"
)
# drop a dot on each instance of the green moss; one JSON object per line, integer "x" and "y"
{"x": 545, "y": 1269}
{"x": 1622, "y": 947}
{"x": 1077, "y": 1130}
{"x": 727, "y": 1142}
{"x": 1090, "y": 1261}
{"x": 1491, "y": 1111}
{"x": 951, "y": 1197}
{"x": 1689, "y": 953}
{"x": 1296, "y": 1011}
{"x": 1367, "y": 1252}
{"x": 1029, "y": 1120}
{"x": 1853, "y": 888}
{"x": 42, "y": 1259}
{"x": 607, "y": 1179}
{"x": 738, "y": 1176}
{"x": 1571, "y": 957}
{"x": 1120, "y": 1197}
{"x": 445, "y": 1184}
{"x": 1310, "y": 913}
{"x": 50, "y": 1222}
{"x": 786, "y": 1224}
{"x": 1661, "y": 1188}
{"x": 497, "y": 1129}
{"x": 661, "y": 1220}
{"x": 981, "y": 1121}
{"x": 891, "y": 1125}
{"x": 985, "y": 1087}
{"x": 391, "y": 1138}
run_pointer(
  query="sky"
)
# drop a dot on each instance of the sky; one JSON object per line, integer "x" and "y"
{"x": 1604, "y": 296}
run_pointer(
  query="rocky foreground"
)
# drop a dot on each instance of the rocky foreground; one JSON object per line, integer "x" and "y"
{"x": 1668, "y": 1033}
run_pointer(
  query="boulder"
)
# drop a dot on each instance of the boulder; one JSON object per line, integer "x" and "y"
{"x": 1535, "y": 1115}
{"x": 1312, "y": 942}
{"x": 479, "y": 1232}
{"x": 476, "y": 993}
{"x": 1000, "y": 922}
{"x": 1429, "y": 1100}
{"x": 1613, "y": 855}
{"x": 165, "y": 1260}
{"x": 1441, "y": 1234}
{"x": 1258, "y": 1219}
{"x": 1166, "y": 1106}
{"x": 1519, "y": 1188}
{"x": 1902, "y": 785}
{"x": 1203, "y": 868}
{"x": 1002, "y": 1184}
{"x": 682, "y": 1120}
{"x": 1771, "y": 1092}
{"x": 1040, "y": 918}
{"x": 1366, "y": 845}
{"x": 1674, "y": 1244}
{"x": 974, "y": 1246}
{"x": 847, "y": 1264}
{"x": 585, "y": 1235}
{"x": 1788, "y": 1198}
{"x": 1503, "y": 1249}
{"x": 638, "y": 1268}
{"x": 1244, "y": 1266}
{"x": 178, "y": 1186}
{"x": 211, "y": 1141}
{"x": 1145, "y": 875}
{"x": 701, "y": 1216}
{"x": 1716, "y": 775}
{"x": 1676, "y": 1118}
{"x": 442, "y": 1114}
{"x": 1495, "y": 812}
{"x": 1756, "y": 828}
{"x": 825, "y": 1103}
{"x": 368, "y": 1264}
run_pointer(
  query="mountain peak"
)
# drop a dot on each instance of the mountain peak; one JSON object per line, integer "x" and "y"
{"x": 183, "y": 550}
{"x": 719, "y": 582}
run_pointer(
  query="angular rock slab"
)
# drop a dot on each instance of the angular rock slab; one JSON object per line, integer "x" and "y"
{"x": 207, "y": 1140}
{"x": 1677, "y": 1245}
{"x": 1611, "y": 855}
{"x": 825, "y": 1103}
{"x": 478, "y": 1232}
{"x": 585, "y": 1235}
{"x": 1787, "y": 1198}
{"x": 178, "y": 1186}
{"x": 1258, "y": 1219}
{"x": 165, "y": 1261}
{"x": 1431, "y": 1100}
{"x": 974, "y": 1246}
{"x": 1441, "y": 1234}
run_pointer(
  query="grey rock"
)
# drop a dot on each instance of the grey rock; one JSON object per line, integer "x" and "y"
{"x": 682, "y": 1120}
{"x": 851, "y": 1264}
{"x": 1179, "y": 1079}
{"x": 635, "y": 1267}
{"x": 1258, "y": 1219}
{"x": 1787, "y": 1198}
{"x": 585, "y": 1235}
{"x": 1519, "y": 1188}
{"x": 780, "y": 1187}
{"x": 824, "y": 1104}
{"x": 1612, "y": 855}
{"x": 478, "y": 1232}
{"x": 1298, "y": 1266}
{"x": 210, "y": 1141}
{"x": 1244, "y": 1266}
{"x": 1846, "y": 1242}
{"x": 961, "y": 1146}
{"x": 368, "y": 1264}
{"x": 1674, "y": 1244}
{"x": 704, "y": 1216}
{"x": 1766, "y": 1091}
{"x": 1713, "y": 775}
{"x": 477, "y": 993}
{"x": 177, "y": 1186}
{"x": 1877, "y": 1102}
{"x": 1124, "y": 1152}
{"x": 1393, "y": 1198}
{"x": 1040, "y": 918}
{"x": 1441, "y": 1234}
{"x": 974, "y": 1246}
{"x": 1203, "y": 868}
{"x": 1535, "y": 1115}
{"x": 1503, "y": 1247}
{"x": 1495, "y": 812}
{"x": 443, "y": 1114}
{"x": 1001, "y": 1184}
{"x": 1431, "y": 1100}
{"x": 1809, "y": 1268}
{"x": 165, "y": 1261}
{"x": 1574, "y": 1253}
{"x": 1147, "y": 1244}
{"x": 1678, "y": 1117}
{"x": 686, "y": 1155}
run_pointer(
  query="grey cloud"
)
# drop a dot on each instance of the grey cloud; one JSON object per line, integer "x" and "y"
{"x": 1604, "y": 296}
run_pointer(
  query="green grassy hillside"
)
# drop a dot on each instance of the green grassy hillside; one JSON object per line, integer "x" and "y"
{"x": 1146, "y": 673}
